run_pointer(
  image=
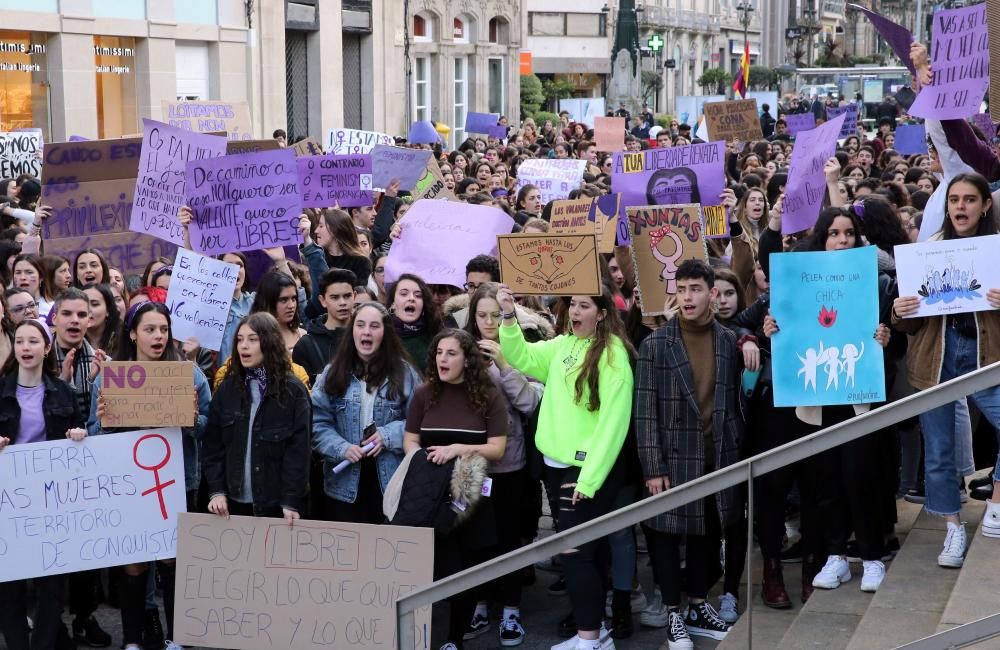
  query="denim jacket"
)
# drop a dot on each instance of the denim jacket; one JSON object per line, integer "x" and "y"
{"x": 192, "y": 436}
{"x": 337, "y": 425}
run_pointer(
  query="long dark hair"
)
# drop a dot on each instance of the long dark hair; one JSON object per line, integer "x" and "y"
{"x": 105, "y": 270}
{"x": 51, "y": 264}
{"x": 269, "y": 291}
{"x": 341, "y": 228}
{"x": 49, "y": 366}
{"x": 127, "y": 347}
{"x": 987, "y": 223}
{"x": 607, "y": 329}
{"x": 431, "y": 313}
{"x": 880, "y": 223}
{"x": 113, "y": 322}
{"x": 146, "y": 280}
{"x": 477, "y": 382}
{"x": 816, "y": 241}
{"x": 387, "y": 365}
{"x": 35, "y": 261}
{"x": 485, "y": 290}
{"x": 277, "y": 363}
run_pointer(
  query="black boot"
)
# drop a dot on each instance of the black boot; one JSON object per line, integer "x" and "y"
{"x": 132, "y": 591}
{"x": 621, "y": 614}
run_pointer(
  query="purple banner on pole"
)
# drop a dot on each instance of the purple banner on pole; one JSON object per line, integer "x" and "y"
{"x": 960, "y": 62}
{"x": 850, "y": 113}
{"x": 440, "y": 237}
{"x": 326, "y": 181}
{"x": 985, "y": 124}
{"x": 911, "y": 139}
{"x": 670, "y": 176}
{"x": 423, "y": 132}
{"x": 480, "y": 122}
{"x": 800, "y": 122}
{"x": 405, "y": 165}
{"x": 159, "y": 187}
{"x": 806, "y": 183}
{"x": 898, "y": 37}
{"x": 244, "y": 202}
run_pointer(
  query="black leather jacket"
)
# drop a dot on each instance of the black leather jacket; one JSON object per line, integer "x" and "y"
{"x": 61, "y": 410}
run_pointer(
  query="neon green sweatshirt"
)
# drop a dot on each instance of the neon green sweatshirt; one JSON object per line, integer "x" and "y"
{"x": 567, "y": 432}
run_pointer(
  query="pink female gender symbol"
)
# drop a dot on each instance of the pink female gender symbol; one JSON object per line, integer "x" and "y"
{"x": 155, "y": 469}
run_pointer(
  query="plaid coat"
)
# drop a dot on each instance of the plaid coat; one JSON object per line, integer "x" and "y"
{"x": 668, "y": 423}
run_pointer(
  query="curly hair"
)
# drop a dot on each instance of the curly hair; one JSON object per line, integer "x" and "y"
{"x": 277, "y": 363}
{"x": 478, "y": 385}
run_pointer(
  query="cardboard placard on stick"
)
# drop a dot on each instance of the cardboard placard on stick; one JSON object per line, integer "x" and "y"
{"x": 572, "y": 217}
{"x": 148, "y": 394}
{"x": 431, "y": 184}
{"x": 209, "y": 116}
{"x": 553, "y": 265}
{"x": 308, "y": 147}
{"x": 663, "y": 236}
{"x": 256, "y": 583}
{"x": 733, "y": 120}
{"x": 251, "y": 146}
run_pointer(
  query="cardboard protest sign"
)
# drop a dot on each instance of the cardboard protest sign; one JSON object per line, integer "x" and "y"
{"x": 257, "y": 584}
{"x": 898, "y": 37}
{"x": 716, "y": 223}
{"x": 244, "y": 202}
{"x": 209, "y": 116}
{"x": 128, "y": 251}
{"x": 850, "y": 113}
{"x": 733, "y": 120}
{"x": 200, "y": 293}
{"x": 554, "y": 178}
{"x": 350, "y": 141}
{"x": 480, "y": 122}
{"x": 911, "y": 139}
{"x": 159, "y": 188}
{"x": 307, "y": 147}
{"x": 20, "y": 153}
{"x": 326, "y": 181}
{"x": 607, "y": 212}
{"x": 440, "y": 237}
{"x": 406, "y": 165}
{"x": 73, "y": 506}
{"x": 663, "y": 236}
{"x": 550, "y": 265}
{"x": 960, "y": 53}
{"x": 950, "y": 276}
{"x": 431, "y": 184}
{"x": 251, "y": 146}
{"x": 609, "y": 133}
{"x": 572, "y": 217}
{"x": 826, "y": 304}
{"x": 150, "y": 394}
{"x": 800, "y": 122}
{"x": 806, "y": 181}
{"x": 499, "y": 132}
{"x": 671, "y": 176}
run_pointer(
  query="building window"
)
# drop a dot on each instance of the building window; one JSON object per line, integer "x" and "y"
{"x": 497, "y": 87}
{"x": 117, "y": 114}
{"x": 499, "y": 31}
{"x": 197, "y": 12}
{"x": 192, "y": 71}
{"x": 461, "y": 99}
{"x": 23, "y": 81}
{"x": 120, "y": 9}
{"x": 421, "y": 88}
{"x": 566, "y": 24}
{"x": 423, "y": 28}
{"x": 460, "y": 33}
{"x": 585, "y": 25}
{"x": 546, "y": 23}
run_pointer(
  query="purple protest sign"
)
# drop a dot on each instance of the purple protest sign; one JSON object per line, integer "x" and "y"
{"x": 960, "y": 62}
{"x": 898, "y": 37}
{"x": 78, "y": 138}
{"x": 850, "y": 113}
{"x": 159, "y": 187}
{"x": 480, "y": 122}
{"x": 671, "y": 175}
{"x": 326, "y": 181}
{"x": 244, "y": 202}
{"x": 499, "y": 132}
{"x": 910, "y": 139}
{"x": 440, "y": 237}
{"x": 806, "y": 183}
{"x": 800, "y": 122}
{"x": 405, "y": 165}
{"x": 985, "y": 124}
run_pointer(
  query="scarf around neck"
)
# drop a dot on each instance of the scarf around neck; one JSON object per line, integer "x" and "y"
{"x": 408, "y": 330}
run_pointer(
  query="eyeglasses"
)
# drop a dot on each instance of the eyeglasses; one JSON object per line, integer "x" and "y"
{"x": 24, "y": 307}
{"x": 472, "y": 286}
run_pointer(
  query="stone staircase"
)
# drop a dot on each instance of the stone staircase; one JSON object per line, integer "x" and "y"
{"x": 916, "y": 599}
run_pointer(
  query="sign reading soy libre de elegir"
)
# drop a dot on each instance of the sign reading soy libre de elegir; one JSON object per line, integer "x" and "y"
{"x": 72, "y": 506}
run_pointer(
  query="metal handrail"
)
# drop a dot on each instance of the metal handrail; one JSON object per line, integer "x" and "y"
{"x": 675, "y": 497}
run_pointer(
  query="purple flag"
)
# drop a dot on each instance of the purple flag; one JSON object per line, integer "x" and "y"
{"x": 799, "y": 122}
{"x": 244, "y": 202}
{"x": 326, "y": 181}
{"x": 480, "y": 122}
{"x": 985, "y": 124}
{"x": 423, "y": 132}
{"x": 910, "y": 139}
{"x": 806, "y": 184}
{"x": 850, "y": 112}
{"x": 898, "y": 37}
{"x": 159, "y": 187}
{"x": 960, "y": 61}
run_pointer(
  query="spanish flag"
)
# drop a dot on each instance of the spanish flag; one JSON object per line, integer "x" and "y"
{"x": 743, "y": 76}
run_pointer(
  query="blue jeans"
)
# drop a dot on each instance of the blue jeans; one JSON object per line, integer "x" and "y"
{"x": 939, "y": 426}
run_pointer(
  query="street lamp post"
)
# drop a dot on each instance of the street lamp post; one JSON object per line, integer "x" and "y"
{"x": 744, "y": 9}
{"x": 810, "y": 24}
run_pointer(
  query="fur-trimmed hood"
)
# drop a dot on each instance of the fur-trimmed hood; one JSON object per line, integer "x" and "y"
{"x": 467, "y": 485}
{"x": 531, "y": 322}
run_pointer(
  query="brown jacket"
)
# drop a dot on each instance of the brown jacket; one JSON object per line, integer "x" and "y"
{"x": 926, "y": 351}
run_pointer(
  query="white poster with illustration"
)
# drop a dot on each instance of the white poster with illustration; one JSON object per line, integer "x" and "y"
{"x": 949, "y": 277}
{"x": 826, "y": 307}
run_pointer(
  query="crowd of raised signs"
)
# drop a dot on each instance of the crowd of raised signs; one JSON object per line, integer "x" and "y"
{"x": 335, "y": 395}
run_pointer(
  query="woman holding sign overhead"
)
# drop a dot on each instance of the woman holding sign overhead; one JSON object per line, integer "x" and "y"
{"x": 148, "y": 338}
{"x": 35, "y": 406}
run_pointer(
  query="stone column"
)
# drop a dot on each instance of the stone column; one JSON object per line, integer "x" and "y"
{"x": 73, "y": 86}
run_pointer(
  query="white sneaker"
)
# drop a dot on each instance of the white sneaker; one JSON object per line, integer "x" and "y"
{"x": 873, "y": 576}
{"x": 449, "y": 646}
{"x": 170, "y": 645}
{"x": 638, "y": 601}
{"x": 991, "y": 519}
{"x": 953, "y": 554}
{"x": 834, "y": 573}
{"x": 607, "y": 643}
{"x": 656, "y": 613}
{"x": 729, "y": 608}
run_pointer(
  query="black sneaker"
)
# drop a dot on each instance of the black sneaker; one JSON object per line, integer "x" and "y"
{"x": 793, "y": 554}
{"x": 558, "y": 588}
{"x": 89, "y": 633}
{"x": 479, "y": 626}
{"x": 915, "y": 495}
{"x": 511, "y": 632}
{"x": 703, "y": 620}
{"x": 677, "y": 633}
{"x": 152, "y": 629}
